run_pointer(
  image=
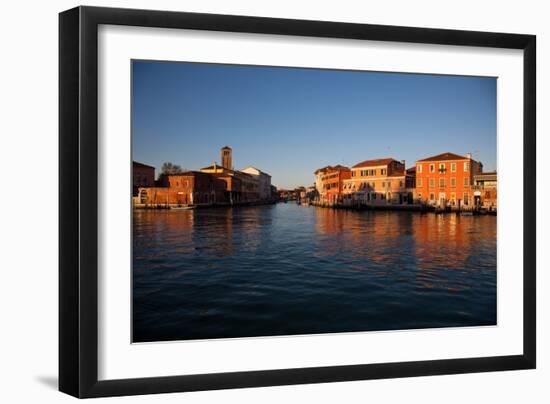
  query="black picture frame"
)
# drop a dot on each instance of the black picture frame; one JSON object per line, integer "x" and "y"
{"x": 78, "y": 206}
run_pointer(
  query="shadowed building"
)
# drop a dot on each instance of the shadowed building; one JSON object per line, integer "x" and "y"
{"x": 264, "y": 182}
{"x": 227, "y": 157}
{"x": 143, "y": 175}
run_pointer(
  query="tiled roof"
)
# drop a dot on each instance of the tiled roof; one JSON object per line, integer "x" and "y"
{"x": 444, "y": 157}
{"x": 331, "y": 168}
{"x": 411, "y": 170}
{"x": 374, "y": 163}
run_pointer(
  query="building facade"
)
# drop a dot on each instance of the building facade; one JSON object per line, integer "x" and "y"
{"x": 189, "y": 188}
{"x": 446, "y": 180}
{"x": 263, "y": 180}
{"x": 143, "y": 175}
{"x": 378, "y": 182}
{"x": 485, "y": 190}
{"x": 330, "y": 183}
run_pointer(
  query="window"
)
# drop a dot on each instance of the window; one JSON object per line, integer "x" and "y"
{"x": 353, "y": 173}
{"x": 187, "y": 184}
{"x": 432, "y": 182}
{"x": 453, "y": 182}
{"x": 432, "y": 196}
{"x": 383, "y": 171}
{"x": 419, "y": 168}
{"x": 420, "y": 195}
{"x": 466, "y": 181}
{"x": 383, "y": 184}
{"x": 453, "y": 197}
{"x": 400, "y": 184}
{"x": 466, "y": 166}
{"x": 466, "y": 198}
{"x": 419, "y": 183}
{"x": 432, "y": 168}
{"x": 453, "y": 167}
{"x": 442, "y": 183}
{"x": 441, "y": 166}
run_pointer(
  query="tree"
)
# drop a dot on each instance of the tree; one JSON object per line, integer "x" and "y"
{"x": 170, "y": 169}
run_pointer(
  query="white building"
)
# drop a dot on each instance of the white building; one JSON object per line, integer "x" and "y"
{"x": 264, "y": 181}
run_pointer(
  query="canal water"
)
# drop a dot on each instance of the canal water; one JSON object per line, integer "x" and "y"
{"x": 286, "y": 269}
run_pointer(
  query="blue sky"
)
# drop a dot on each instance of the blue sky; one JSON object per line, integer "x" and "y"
{"x": 290, "y": 121}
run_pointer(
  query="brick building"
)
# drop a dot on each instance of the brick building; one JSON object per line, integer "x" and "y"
{"x": 143, "y": 175}
{"x": 446, "y": 180}
{"x": 189, "y": 188}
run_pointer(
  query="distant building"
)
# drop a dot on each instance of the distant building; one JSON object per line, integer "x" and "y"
{"x": 378, "y": 181}
{"x": 242, "y": 187}
{"x": 485, "y": 190}
{"x": 330, "y": 182}
{"x": 318, "y": 176}
{"x": 212, "y": 185}
{"x": 446, "y": 179}
{"x": 264, "y": 182}
{"x": 274, "y": 193}
{"x": 143, "y": 175}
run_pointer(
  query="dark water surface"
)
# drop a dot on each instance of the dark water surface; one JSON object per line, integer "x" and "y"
{"x": 287, "y": 269}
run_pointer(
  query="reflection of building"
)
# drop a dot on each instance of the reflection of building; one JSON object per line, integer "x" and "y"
{"x": 330, "y": 183}
{"x": 379, "y": 181}
{"x": 446, "y": 179}
{"x": 485, "y": 190}
{"x": 142, "y": 176}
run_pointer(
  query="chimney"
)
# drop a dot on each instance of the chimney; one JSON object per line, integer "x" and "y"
{"x": 469, "y": 156}
{"x": 403, "y": 162}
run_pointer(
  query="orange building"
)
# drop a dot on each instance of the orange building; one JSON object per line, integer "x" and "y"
{"x": 378, "y": 181}
{"x": 330, "y": 183}
{"x": 446, "y": 180}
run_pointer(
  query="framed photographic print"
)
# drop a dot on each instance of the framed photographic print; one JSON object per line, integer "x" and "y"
{"x": 250, "y": 201}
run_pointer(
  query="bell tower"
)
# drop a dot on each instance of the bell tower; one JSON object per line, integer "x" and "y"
{"x": 227, "y": 157}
